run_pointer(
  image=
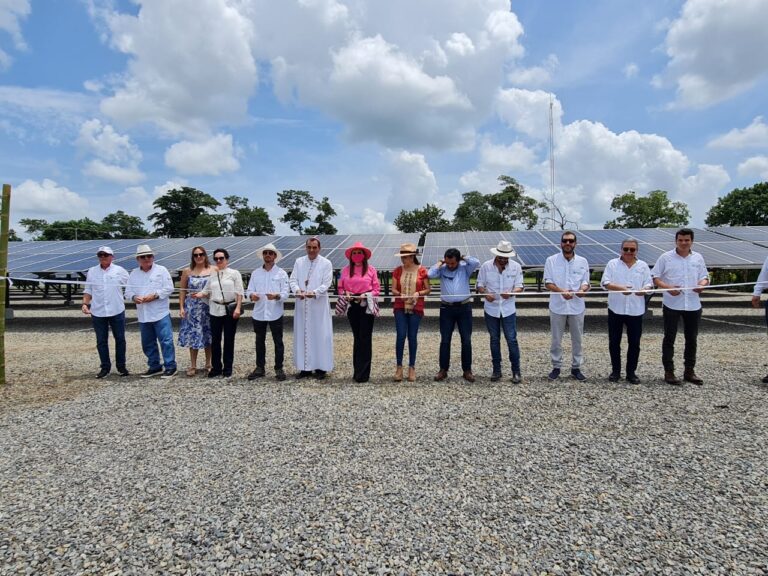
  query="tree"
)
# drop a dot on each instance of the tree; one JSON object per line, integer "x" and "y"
{"x": 179, "y": 210}
{"x": 83, "y": 229}
{"x": 299, "y": 206}
{"x": 246, "y": 221}
{"x": 741, "y": 207}
{"x": 497, "y": 211}
{"x": 649, "y": 211}
{"x": 34, "y": 226}
{"x": 12, "y": 236}
{"x": 121, "y": 225}
{"x": 422, "y": 220}
{"x": 554, "y": 213}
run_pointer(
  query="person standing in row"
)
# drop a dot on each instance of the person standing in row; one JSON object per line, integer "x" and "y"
{"x": 150, "y": 287}
{"x": 625, "y": 277}
{"x": 268, "y": 289}
{"x": 566, "y": 276}
{"x": 359, "y": 284}
{"x": 224, "y": 289}
{"x": 454, "y": 271}
{"x": 103, "y": 301}
{"x": 310, "y": 281}
{"x": 678, "y": 271}
{"x": 499, "y": 279}
{"x": 195, "y": 330}
{"x": 760, "y": 286}
{"x": 410, "y": 284}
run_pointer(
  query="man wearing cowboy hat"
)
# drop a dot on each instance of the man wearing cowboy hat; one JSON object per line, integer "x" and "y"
{"x": 268, "y": 288}
{"x": 499, "y": 279}
{"x": 150, "y": 287}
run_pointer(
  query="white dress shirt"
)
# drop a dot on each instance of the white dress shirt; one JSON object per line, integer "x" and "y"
{"x": 223, "y": 286}
{"x": 106, "y": 289}
{"x": 671, "y": 268}
{"x": 637, "y": 277}
{"x": 568, "y": 275}
{"x": 156, "y": 280}
{"x": 263, "y": 282}
{"x": 762, "y": 280}
{"x": 498, "y": 283}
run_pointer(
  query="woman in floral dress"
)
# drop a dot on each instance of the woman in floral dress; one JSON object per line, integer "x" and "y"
{"x": 195, "y": 331}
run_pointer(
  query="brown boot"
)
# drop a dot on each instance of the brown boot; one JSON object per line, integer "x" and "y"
{"x": 690, "y": 376}
{"x": 468, "y": 376}
{"x": 670, "y": 378}
{"x": 442, "y": 375}
{"x": 411, "y": 374}
{"x": 398, "y": 374}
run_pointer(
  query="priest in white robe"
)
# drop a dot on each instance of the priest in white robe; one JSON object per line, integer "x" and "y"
{"x": 312, "y": 325}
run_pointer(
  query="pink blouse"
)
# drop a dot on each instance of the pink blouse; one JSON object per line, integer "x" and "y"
{"x": 359, "y": 284}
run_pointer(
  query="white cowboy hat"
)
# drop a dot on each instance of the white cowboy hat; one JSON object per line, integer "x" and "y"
{"x": 504, "y": 249}
{"x": 270, "y": 246}
{"x": 143, "y": 249}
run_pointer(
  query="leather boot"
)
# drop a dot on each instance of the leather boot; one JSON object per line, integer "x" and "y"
{"x": 670, "y": 378}
{"x": 690, "y": 376}
{"x": 398, "y": 374}
{"x": 411, "y": 374}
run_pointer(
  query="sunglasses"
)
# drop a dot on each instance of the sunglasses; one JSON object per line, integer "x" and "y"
{"x": 568, "y": 241}
{"x": 629, "y": 249}
{"x": 269, "y": 252}
{"x": 218, "y": 258}
{"x": 103, "y": 254}
{"x": 198, "y": 254}
{"x": 146, "y": 256}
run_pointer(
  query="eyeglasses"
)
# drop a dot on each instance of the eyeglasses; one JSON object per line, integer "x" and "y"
{"x": 103, "y": 254}
{"x": 629, "y": 249}
{"x": 219, "y": 258}
{"x": 146, "y": 256}
{"x": 568, "y": 241}
{"x": 198, "y": 254}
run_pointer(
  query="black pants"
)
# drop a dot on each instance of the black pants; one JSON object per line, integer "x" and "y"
{"x": 228, "y": 326}
{"x": 276, "y": 328}
{"x": 634, "y": 324}
{"x": 690, "y": 331}
{"x": 362, "y": 350}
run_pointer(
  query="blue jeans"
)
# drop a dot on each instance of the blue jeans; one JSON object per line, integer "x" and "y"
{"x": 102, "y": 325}
{"x": 406, "y": 325}
{"x": 450, "y": 317}
{"x": 509, "y": 325}
{"x": 151, "y": 333}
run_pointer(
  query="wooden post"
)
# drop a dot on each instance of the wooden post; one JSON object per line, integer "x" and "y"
{"x": 5, "y": 211}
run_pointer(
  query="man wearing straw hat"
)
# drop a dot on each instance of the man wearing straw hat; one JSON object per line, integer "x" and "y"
{"x": 499, "y": 279}
{"x": 268, "y": 288}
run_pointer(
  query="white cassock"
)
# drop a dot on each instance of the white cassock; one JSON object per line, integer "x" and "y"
{"x": 312, "y": 324}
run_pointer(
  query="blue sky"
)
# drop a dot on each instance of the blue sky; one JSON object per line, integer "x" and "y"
{"x": 381, "y": 106}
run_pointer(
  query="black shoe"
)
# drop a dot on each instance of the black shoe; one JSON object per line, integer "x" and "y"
{"x": 516, "y": 378}
{"x": 633, "y": 379}
{"x": 765, "y": 380}
{"x": 102, "y": 373}
{"x": 279, "y": 374}
{"x": 123, "y": 371}
{"x": 496, "y": 376}
{"x": 615, "y": 377}
{"x": 555, "y": 374}
{"x": 303, "y": 374}
{"x": 152, "y": 372}
{"x": 168, "y": 374}
{"x": 257, "y": 373}
{"x": 319, "y": 374}
{"x": 226, "y": 375}
{"x": 578, "y": 374}
{"x": 214, "y": 374}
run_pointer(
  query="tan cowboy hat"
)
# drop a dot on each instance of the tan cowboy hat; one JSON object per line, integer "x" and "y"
{"x": 358, "y": 246}
{"x": 270, "y": 246}
{"x": 408, "y": 249}
{"x": 504, "y": 249}
{"x": 143, "y": 249}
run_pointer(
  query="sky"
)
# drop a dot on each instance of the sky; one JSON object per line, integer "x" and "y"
{"x": 380, "y": 106}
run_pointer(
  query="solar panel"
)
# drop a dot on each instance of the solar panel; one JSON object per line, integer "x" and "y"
{"x": 535, "y": 256}
{"x": 751, "y": 233}
{"x": 524, "y": 237}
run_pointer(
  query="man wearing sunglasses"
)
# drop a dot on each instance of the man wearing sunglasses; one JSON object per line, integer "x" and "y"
{"x": 566, "y": 276}
{"x": 103, "y": 301}
{"x": 625, "y": 277}
{"x": 150, "y": 287}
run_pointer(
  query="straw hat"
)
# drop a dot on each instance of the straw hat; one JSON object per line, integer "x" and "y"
{"x": 143, "y": 250}
{"x": 270, "y": 246}
{"x": 408, "y": 249}
{"x": 504, "y": 249}
{"x": 357, "y": 246}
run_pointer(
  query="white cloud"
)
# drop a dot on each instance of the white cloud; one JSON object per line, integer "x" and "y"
{"x": 140, "y": 201}
{"x": 631, "y": 70}
{"x": 113, "y": 173}
{"x": 753, "y": 136}
{"x": 754, "y": 166}
{"x": 535, "y": 76}
{"x": 117, "y": 158}
{"x": 498, "y": 159}
{"x": 48, "y": 200}
{"x": 11, "y": 13}
{"x": 716, "y": 50}
{"x": 366, "y": 221}
{"x": 212, "y": 156}
{"x": 413, "y": 182}
{"x": 527, "y": 112}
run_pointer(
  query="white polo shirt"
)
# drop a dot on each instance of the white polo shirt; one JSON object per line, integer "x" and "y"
{"x": 671, "y": 268}
{"x": 106, "y": 290}
{"x": 157, "y": 280}
{"x": 637, "y": 277}
{"x": 566, "y": 275}
{"x": 263, "y": 282}
{"x": 497, "y": 283}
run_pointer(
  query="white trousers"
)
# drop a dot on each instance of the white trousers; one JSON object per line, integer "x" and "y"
{"x": 558, "y": 323}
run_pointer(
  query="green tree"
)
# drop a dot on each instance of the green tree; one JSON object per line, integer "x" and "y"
{"x": 83, "y": 229}
{"x": 649, "y": 211}
{"x": 322, "y": 219}
{"x": 246, "y": 221}
{"x": 422, "y": 220}
{"x": 741, "y": 207}
{"x": 12, "y": 236}
{"x": 121, "y": 225}
{"x": 179, "y": 210}
{"x": 34, "y": 226}
{"x": 299, "y": 206}
{"x": 497, "y": 211}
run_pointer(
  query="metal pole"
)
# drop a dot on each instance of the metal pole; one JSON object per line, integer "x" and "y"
{"x": 5, "y": 211}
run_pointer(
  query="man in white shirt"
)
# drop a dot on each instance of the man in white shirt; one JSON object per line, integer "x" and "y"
{"x": 760, "y": 286}
{"x": 103, "y": 300}
{"x": 679, "y": 271}
{"x": 310, "y": 281}
{"x": 499, "y": 279}
{"x": 566, "y": 276}
{"x": 625, "y": 278}
{"x": 268, "y": 288}
{"x": 150, "y": 287}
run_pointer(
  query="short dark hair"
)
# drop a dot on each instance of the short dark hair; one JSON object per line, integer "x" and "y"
{"x": 567, "y": 233}
{"x": 313, "y": 239}
{"x": 223, "y": 251}
{"x": 452, "y": 253}
{"x": 684, "y": 232}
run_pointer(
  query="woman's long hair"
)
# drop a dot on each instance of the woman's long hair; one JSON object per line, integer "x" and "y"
{"x": 352, "y": 266}
{"x": 192, "y": 263}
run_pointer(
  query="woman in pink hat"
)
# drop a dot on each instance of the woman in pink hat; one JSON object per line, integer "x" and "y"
{"x": 359, "y": 284}
{"x": 409, "y": 285}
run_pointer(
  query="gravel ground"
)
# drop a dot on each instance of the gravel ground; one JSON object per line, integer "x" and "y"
{"x": 191, "y": 476}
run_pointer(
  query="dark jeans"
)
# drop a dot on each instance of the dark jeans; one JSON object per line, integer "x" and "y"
{"x": 634, "y": 324}
{"x": 406, "y": 326}
{"x": 690, "y": 331}
{"x": 509, "y": 325}
{"x": 102, "y": 325}
{"x": 228, "y": 326}
{"x": 276, "y": 328}
{"x": 362, "y": 350}
{"x": 450, "y": 317}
